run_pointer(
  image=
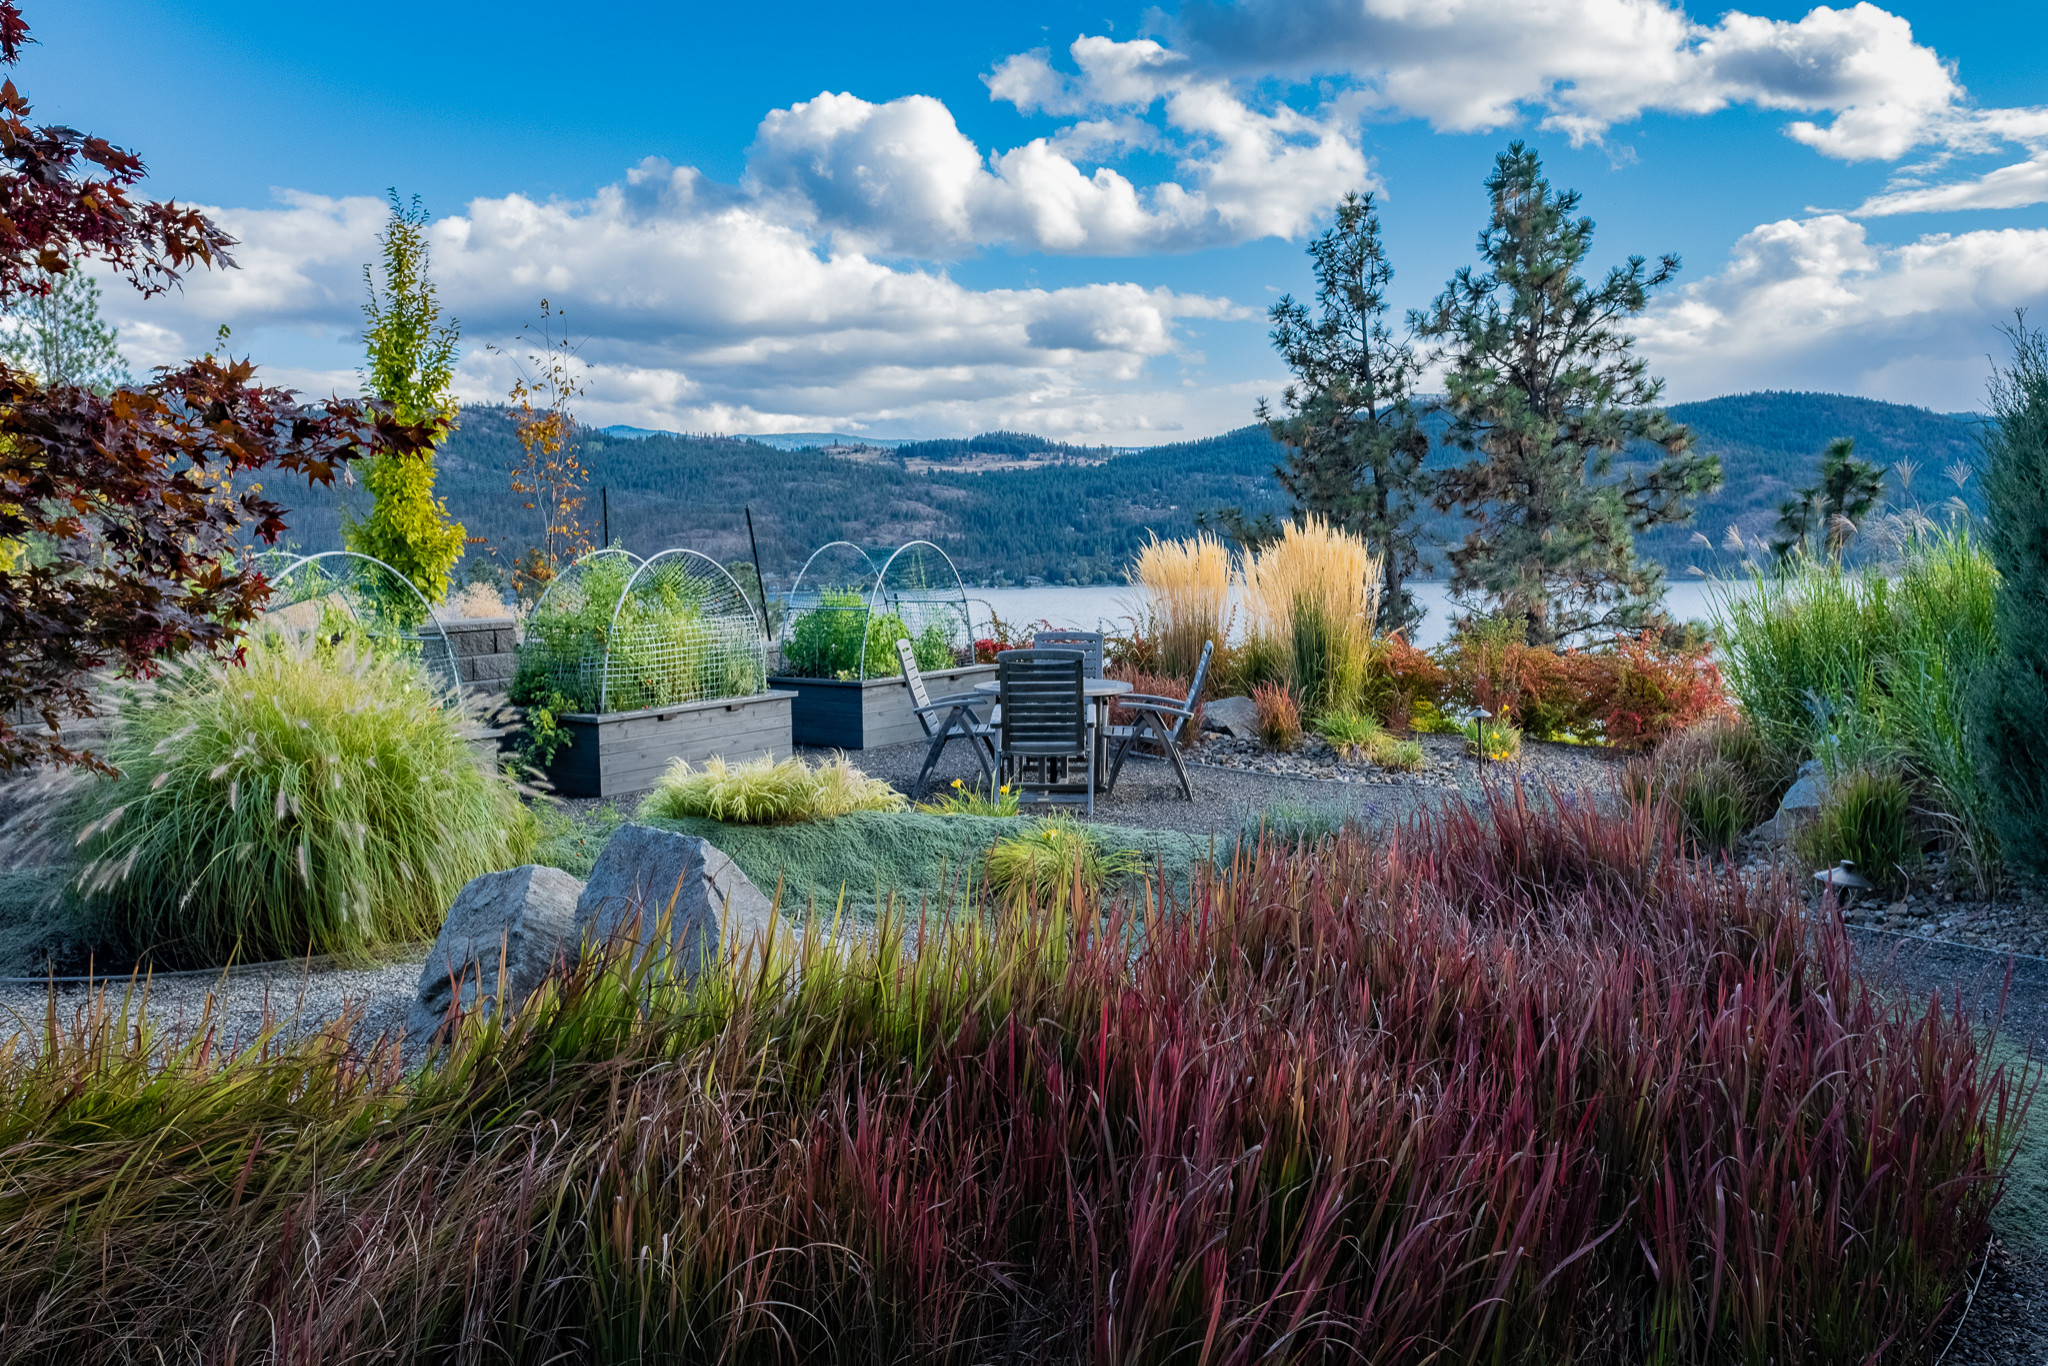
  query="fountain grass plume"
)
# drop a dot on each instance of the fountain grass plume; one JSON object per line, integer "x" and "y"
{"x": 304, "y": 802}
{"x": 1314, "y": 596}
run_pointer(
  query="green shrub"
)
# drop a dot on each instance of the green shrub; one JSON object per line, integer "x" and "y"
{"x": 1044, "y": 867}
{"x": 2010, "y": 701}
{"x": 765, "y": 792}
{"x": 1865, "y": 818}
{"x": 1349, "y": 733}
{"x": 296, "y": 804}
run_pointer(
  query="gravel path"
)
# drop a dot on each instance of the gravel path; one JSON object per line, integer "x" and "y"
{"x": 243, "y": 1001}
{"x": 1148, "y": 796}
{"x": 2007, "y": 1324}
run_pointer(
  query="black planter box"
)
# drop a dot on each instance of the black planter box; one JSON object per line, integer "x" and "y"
{"x": 854, "y": 714}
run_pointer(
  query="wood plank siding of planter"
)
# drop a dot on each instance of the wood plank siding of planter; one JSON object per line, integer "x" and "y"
{"x": 862, "y": 714}
{"x": 619, "y": 753}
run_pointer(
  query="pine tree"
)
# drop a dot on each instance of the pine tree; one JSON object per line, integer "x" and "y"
{"x": 61, "y": 339}
{"x": 411, "y": 362}
{"x": 2011, "y": 697}
{"x": 1545, "y": 387}
{"x": 1355, "y": 445}
{"x": 1834, "y": 506}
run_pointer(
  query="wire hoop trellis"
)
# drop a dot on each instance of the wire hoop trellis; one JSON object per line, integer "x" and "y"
{"x": 617, "y": 633}
{"x": 919, "y": 597}
{"x": 634, "y": 560}
{"x": 825, "y": 611}
{"x": 346, "y": 597}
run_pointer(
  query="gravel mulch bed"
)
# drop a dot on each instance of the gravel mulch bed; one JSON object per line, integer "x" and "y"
{"x": 1446, "y": 767}
{"x": 1939, "y": 904}
{"x": 295, "y": 997}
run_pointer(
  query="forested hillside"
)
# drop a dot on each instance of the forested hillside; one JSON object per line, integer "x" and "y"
{"x": 1077, "y": 520}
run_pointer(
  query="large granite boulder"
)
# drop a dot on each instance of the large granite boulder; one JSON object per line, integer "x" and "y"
{"x": 506, "y": 930}
{"x": 645, "y": 874}
{"x": 1800, "y": 804}
{"x": 1237, "y": 717}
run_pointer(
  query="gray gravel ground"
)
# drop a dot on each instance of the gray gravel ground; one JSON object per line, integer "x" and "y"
{"x": 2007, "y": 1322}
{"x": 244, "y": 1001}
{"x": 1148, "y": 796}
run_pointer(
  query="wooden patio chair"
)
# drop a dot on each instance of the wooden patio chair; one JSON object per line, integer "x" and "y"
{"x": 1044, "y": 733}
{"x": 1089, "y": 643}
{"x": 1159, "y": 721}
{"x": 956, "y": 717}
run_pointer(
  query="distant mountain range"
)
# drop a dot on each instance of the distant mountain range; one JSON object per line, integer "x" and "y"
{"x": 1014, "y": 507}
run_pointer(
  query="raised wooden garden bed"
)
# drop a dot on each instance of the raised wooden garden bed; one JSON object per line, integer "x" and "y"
{"x": 617, "y": 754}
{"x": 861, "y": 714}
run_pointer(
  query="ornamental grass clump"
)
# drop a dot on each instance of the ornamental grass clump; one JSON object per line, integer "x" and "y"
{"x": 766, "y": 791}
{"x": 1053, "y": 866}
{"x": 1312, "y": 597}
{"x": 303, "y": 802}
{"x": 1876, "y": 669}
{"x": 1187, "y": 591}
{"x": 1866, "y": 818}
{"x": 1718, "y": 776}
{"x": 1518, "y": 1084}
{"x": 1278, "y": 716}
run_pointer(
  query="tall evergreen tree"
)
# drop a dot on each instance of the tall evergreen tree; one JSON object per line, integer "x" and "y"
{"x": 1833, "y": 508}
{"x": 2011, "y": 697}
{"x": 1545, "y": 387}
{"x": 59, "y": 336}
{"x": 411, "y": 362}
{"x": 1355, "y": 446}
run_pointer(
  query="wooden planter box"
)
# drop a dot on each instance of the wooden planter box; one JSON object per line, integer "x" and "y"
{"x": 845, "y": 714}
{"x": 616, "y": 754}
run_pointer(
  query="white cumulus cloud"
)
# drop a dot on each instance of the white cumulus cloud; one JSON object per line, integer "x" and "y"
{"x": 1814, "y": 304}
{"x": 1586, "y": 65}
{"x": 900, "y": 178}
{"x": 698, "y": 310}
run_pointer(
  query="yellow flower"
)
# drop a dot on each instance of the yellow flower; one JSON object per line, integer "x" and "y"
{"x": 1006, "y": 789}
{"x": 956, "y": 782}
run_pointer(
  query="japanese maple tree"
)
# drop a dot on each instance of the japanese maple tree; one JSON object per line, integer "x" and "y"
{"x": 124, "y": 516}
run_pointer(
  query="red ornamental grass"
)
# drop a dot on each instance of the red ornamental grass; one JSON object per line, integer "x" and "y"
{"x": 1515, "y": 1086}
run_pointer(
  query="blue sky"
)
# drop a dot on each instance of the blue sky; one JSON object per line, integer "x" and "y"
{"x": 915, "y": 219}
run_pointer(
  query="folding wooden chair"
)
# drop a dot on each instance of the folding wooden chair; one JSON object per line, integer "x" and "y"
{"x": 1044, "y": 733}
{"x": 948, "y": 719}
{"x": 1159, "y": 721}
{"x": 1089, "y": 643}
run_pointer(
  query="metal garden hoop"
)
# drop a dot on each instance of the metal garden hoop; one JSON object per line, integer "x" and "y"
{"x": 421, "y": 635}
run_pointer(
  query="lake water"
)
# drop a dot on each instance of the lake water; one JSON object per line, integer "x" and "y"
{"x": 1106, "y": 606}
